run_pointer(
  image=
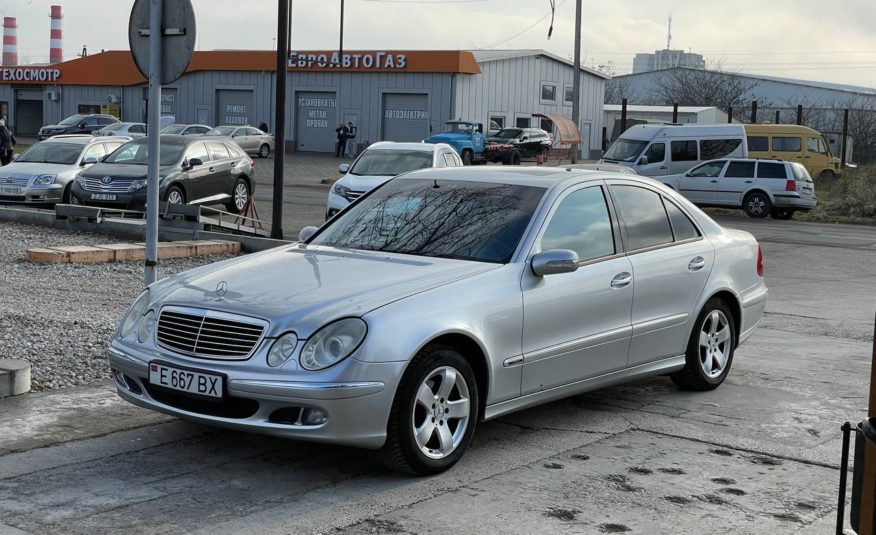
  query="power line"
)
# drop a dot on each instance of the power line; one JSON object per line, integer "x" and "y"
{"x": 531, "y": 26}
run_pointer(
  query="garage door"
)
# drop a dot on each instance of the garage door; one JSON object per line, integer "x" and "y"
{"x": 234, "y": 107}
{"x": 405, "y": 116}
{"x": 316, "y": 117}
{"x": 28, "y": 112}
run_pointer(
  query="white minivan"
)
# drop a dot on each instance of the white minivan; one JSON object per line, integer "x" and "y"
{"x": 657, "y": 150}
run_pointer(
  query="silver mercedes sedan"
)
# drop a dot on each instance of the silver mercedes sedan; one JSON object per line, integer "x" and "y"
{"x": 442, "y": 298}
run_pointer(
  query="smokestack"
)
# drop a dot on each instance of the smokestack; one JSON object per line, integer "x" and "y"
{"x": 10, "y": 41}
{"x": 56, "y": 53}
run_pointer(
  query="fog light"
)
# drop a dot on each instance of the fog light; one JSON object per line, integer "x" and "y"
{"x": 314, "y": 417}
{"x": 120, "y": 379}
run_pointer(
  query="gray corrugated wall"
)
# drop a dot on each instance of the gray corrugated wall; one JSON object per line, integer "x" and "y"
{"x": 512, "y": 87}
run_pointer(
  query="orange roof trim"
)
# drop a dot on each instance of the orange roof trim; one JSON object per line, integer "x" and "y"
{"x": 116, "y": 67}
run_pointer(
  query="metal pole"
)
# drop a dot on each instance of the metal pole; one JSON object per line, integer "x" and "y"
{"x": 778, "y": 117}
{"x": 753, "y": 112}
{"x": 845, "y": 138}
{"x": 675, "y": 112}
{"x": 799, "y": 113}
{"x": 280, "y": 118}
{"x": 152, "y": 142}
{"x": 844, "y": 468}
{"x": 730, "y": 114}
{"x": 341, "y": 44}
{"x": 623, "y": 127}
{"x": 576, "y": 80}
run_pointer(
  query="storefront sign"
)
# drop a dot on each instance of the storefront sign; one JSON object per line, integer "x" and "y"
{"x": 406, "y": 114}
{"x": 168, "y": 102}
{"x": 29, "y": 74}
{"x": 235, "y": 114}
{"x": 385, "y": 61}
{"x": 317, "y": 117}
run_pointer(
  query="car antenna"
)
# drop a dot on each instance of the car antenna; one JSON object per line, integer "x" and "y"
{"x": 435, "y": 183}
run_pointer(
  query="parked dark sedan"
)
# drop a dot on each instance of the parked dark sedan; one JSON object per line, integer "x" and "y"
{"x": 529, "y": 141}
{"x": 193, "y": 171}
{"x": 77, "y": 124}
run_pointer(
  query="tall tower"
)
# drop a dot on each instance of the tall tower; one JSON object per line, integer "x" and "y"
{"x": 10, "y": 41}
{"x": 669, "y": 33}
{"x": 56, "y": 51}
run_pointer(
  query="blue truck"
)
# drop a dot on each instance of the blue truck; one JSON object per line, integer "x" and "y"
{"x": 467, "y": 137}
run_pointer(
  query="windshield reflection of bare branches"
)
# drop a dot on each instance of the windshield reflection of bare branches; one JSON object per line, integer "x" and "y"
{"x": 475, "y": 221}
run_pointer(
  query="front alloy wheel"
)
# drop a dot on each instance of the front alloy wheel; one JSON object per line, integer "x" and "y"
{"x": 440, "y": 416}
{"x": 175, "y": 196}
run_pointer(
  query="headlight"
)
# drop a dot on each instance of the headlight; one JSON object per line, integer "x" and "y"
{"x": 45, "y": 179}
{"x": 338, "y": 189}
{"x": 126, "y": 327}
{"x": 333, "y": 343}
{"x": 282, "y": 349}
{"x": 147, "y": 325}
{"x": 137, "y": 184}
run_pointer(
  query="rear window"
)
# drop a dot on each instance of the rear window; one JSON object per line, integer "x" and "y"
{"x": 771, "y": 170}
{"x": 786, "y": 144}
{"x": 684, "y": 151}
{"x": 643, "y": 215}
{"x": 800, "y": 172}
{"x": 711, "y": 149}
{"x": 759, "y": 143}
{"x": 682, "y": 227}
{"x": 740, "y": 170}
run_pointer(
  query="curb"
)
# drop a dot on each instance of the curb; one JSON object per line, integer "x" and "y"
{"x": 124, "y": 252}
{"x": 14, "y": 377}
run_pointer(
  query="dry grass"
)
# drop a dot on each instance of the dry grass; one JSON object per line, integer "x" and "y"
{"x": 850, "y": 199}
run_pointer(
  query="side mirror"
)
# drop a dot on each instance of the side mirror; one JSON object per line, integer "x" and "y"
{"x": 524, "y": 138}
{"x": 554, "y": 261}
{"x": 343, "y": 168}
{"x": 194, "y": 162}
{"x": 89, "y": 160}
{"x": 306, "y": 233}
{"x": 643, "y": 160}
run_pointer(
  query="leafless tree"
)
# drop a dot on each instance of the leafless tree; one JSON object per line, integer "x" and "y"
{"x": 703, "y": 87}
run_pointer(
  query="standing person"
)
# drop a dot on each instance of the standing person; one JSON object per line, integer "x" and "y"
{"x": 351, "y": 134}
{"x": 5, "y": 144}
{"x": 263, "y": 126}
{"x": 341, "y": 146}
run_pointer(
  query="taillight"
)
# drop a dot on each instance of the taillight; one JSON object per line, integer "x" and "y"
{"x": 790, "y": 185}
{"x": 759, "y": 262}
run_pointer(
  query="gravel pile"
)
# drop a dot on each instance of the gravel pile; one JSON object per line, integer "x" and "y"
{"x": 60, "y": 317}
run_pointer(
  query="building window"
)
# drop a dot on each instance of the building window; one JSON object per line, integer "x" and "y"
{"x": 549, "y": 92}
{"x": 546, "y": 124}
{"x": 567, "y": 94}
{"x": 522, "y": 121}
{"x": 499, "y": 120}
{"x": 87, "y": 109}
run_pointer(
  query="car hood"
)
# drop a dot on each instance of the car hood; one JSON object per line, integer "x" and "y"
{"x": 55, "y": 127}
{"x": 303, "y": 287}
{"x": 363, "y": 182}
{"x": 32, "y": 169}
{"x": 114, "y": 170}
{"x": 448, "y": 138}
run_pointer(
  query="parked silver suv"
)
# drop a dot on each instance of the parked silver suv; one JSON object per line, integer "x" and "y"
{"x": 760, "y": 187}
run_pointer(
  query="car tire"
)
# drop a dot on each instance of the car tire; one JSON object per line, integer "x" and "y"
{"x": 425, "y": 396}
{"x": 515, "y": 157}
{"x": 76, "y": 200}
{"x": 264, "y": 151}
{"x": 757, "y": 205}
{"x": 66, "y": 195}
{"x": 827, "y": 174}
{"x": 175, "y": 195}
{"x": 240, "y": 195}
{"x": 782, "y": 213}
{"x": 466, "y": 157}
{"x": 710, "y": 349}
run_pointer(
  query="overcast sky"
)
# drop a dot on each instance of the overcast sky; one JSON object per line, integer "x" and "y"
{"x": 810, "y": 39}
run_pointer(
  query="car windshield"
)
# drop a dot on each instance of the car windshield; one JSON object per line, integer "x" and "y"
{"x": 113, "y": 127}
{"x": 458, "y": 128}
{"x": 174, "y": 129}
{"x": 377, "y": 162}
{"x": 73, "y": 119}
{"x": 135, "y": 153}
{"x": 625, "y": 150}
{"x": 222, "y": 131}
{"x": 478, "y": 221}
{"x": 509, "y": 133}
{"x": 53, "y": 152}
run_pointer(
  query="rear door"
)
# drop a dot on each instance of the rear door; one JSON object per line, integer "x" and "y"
{"x": 684, "y": 154}
{"x": 737, "y": 179}
{"x": 671, "y": 264}
{"x": 700, "y": 184}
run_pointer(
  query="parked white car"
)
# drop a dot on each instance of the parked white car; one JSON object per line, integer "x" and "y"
{"x": 131, "y": 130}
{"x": 760, "y": 187}
{"x": 382, "y": 161}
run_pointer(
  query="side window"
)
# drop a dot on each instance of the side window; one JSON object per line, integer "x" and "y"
{"x": 233, "y": 150}
{"x": 111, "y": 147}
{"x": 708, "y": 170}
{"x": 656, "y": 153}
{"x": 644, "y": 216}
{"x": 239, "y": 132}
{"x": 786, "y": 144}
{"x": 253, "y": 132}
{"x": 682, "y": 227}
{"x": 684, "y": 151}
{"x": 217, "y": 150}
{"x": 758, "y": 143}
{"x": 96, "y": 151}
{"x": 103, "y": 121}
{"x": 740, "y": 170}
{"x": 711, "y": 149}
{"x": 137, "y": 129}
{"x": 581, "y": 223}
{"x": 91, "y": 121}
{"x": 815, "y": 145}
{"x": 771, "y": 170}
{"x": 199, "y": 151}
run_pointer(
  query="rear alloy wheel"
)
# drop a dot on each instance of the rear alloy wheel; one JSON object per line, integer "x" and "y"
{"x": 709, "y": 350}
{"x": 782, "y": 213}
{"x": 239, "y": 197}
{"x": 757, "y": 205}
{"x": 175, "y": 196}
{"x": 434, "y": 413}
{"x": 264, "y": 150}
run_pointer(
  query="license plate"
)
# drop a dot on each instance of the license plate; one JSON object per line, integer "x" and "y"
{"x": 103, "y": 196}
{"x": 11, "y": 191}
{"x": 203, "y": 384}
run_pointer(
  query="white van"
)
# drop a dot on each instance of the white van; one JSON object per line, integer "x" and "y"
{"x": 657, "y": 150}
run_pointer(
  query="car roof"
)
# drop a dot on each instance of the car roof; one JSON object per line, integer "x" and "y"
{"x": 770, "y": 160}
{"x": 545, "y": 177}
{"x": 83, "y": 139}
{"x": 417, "y": 147}
{"x": 176, "y": 139}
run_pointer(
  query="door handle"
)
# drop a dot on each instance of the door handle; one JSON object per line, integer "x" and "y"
{"x": 713, "y": 181}
{"x": 664, "y": 167}
{"x": 749, "y": 181}
{"x": 621, "y": 280}
{"x": 697, "y": 263}
{"x": 211, "y": 169}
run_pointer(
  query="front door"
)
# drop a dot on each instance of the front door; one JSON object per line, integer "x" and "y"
{"x": 657, "y": 164}
{"x": 671, "y": 263}
{"x": 577, "y": 325}
{"x": 700, "y": 184}
{"x": 221, "y": 181}
{"x": 197, "y": 183}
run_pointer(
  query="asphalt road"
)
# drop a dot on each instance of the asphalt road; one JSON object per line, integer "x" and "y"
{"x": 758, "y": 455}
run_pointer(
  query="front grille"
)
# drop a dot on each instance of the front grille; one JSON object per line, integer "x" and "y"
{"x": 228, "y": 407}
{"x": 208, "y": 334}
{"x": 14, "y": 181}
{"x": 117, "y": 185}
{"x": 352, "y": 195}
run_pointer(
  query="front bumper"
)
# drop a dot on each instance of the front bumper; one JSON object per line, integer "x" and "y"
{"x": 48, "y": 194}
{"x": 357, "y": 409}
{"x": 125, "y": 201}
{"x": 335, "y": 204}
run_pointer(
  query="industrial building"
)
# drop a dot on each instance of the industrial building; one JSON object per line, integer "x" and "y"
{"x": 387, "y": 95}
{"x": 659, "y": 115}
